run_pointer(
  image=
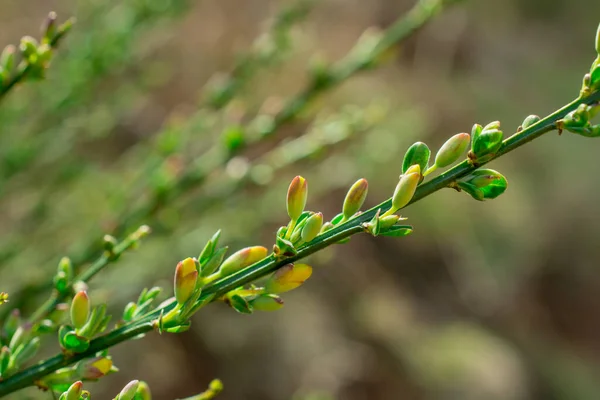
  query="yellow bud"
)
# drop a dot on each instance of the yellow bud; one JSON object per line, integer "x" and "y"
{"x": 288, "y": 277}
{"x": 80, "y": 309}
{"x": 405, "y": 190}
{"x": 143, "y": 391}
{"x": 355, "y": 198}
{"x": 186, "y": 277}
{"x": 242, "y": 259}
{"x": 94, "y": 368}
{"x": 74, "y": 391}
{"x": 296, "y": 197}
{"x": 312, "y": 227}
{"x": 413, "y": 169}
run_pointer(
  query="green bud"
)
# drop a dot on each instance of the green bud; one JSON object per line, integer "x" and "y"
{"x": 595, "y": 77}
{"x": 288, "y": 277}
{"x": 405, "y": 190}
{"x": 326, "y": 226}
{"x": 186, "y": 277}
{"x": 267, "y": 302}
{"x": 388, "y": 221}
{"x": 242, "y": 259}
{"x": 312, "y": 227}
{"x": 64, "y": 275}
{"x": 49, "y": 28}
{"x": 7, "y": 62}
{"x": 484, "y": 184}
{"x": 452, "y": 150}
{"x": 296, "y": 197}
{"x": 71, "y": 341}
{"x": 96, "y": 323}
{"x": 28, "y": 47}
{"x": 488, "y": 141}
{"x": 355, "y": 198}
{"x": 418, "y": 154}
{"x": 80, "y": 309}
{"x": 129, "y": 391}
{"x": 598, "y": 40}
{"x": 129, "y": 311}
{"x": 5, "y": 354}
{"x": 74, "y": 391}
{"x": 143, "y": 392}
{"x": 26, "y": 351}
{"x": 530, "y": 120}
{"x": 109, "y": 243}
{"x": 21, "y": 335}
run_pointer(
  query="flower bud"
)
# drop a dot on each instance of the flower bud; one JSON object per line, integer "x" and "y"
{"x": 143, "y": 391}
{"x": 388, "y": 221}
{"x": 452, "y": 150}
{"x": 484, "y": 184}
{"x": 4, "y": 360}
{"x": 312, "y": 227}
{"x": 28, "y": 47}
{"x": 326, "y": 226}
{"x": 7, "y": 58}
{"x": 288, "y": 277}
{"x": 129, "y": 391}
{"x": 405, "y": 190}
{"x": 413, "y": 169}
{"x": 598, "y": 40}
{"x": 267, "y": 302}
{"x": 80, "y": 309}
{"x": 186, "y": 277}
{"x": 64, "y": 274}
{"x": 26, "y": 351}
{"x": 3, "y": 298}
{"x": 530, "y": 120}
{"x": 296, "y": 197}
{"x": 95, "y": 368}
{"x": 74, "y": 391}
{"x": 242, "y": 259}
{"x": 418, "y": 154}
{"x": 355, "y": 198}
{"x": 488, "y": 142}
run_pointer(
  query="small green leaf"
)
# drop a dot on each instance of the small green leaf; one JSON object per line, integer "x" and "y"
{"x": 398, "y": 231}
{"x": 418, "y": 154}
{"x": 239, "y": 304}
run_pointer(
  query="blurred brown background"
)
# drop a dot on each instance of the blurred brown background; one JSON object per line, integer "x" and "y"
{"x": 494, "y": 300}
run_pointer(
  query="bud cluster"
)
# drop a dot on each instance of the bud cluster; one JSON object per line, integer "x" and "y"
{"x": 86, "y": 322}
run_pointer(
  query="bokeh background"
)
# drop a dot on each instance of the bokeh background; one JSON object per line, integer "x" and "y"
{"x": 494, "y": 300}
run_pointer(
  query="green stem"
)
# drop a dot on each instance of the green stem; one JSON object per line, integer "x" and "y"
{"x": 28, "y": 376}
{"x": 104, "y": 260}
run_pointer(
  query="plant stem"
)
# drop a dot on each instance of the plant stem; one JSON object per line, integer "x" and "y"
{"x": 28, "y": 376}
{"x": 104, "y": 260}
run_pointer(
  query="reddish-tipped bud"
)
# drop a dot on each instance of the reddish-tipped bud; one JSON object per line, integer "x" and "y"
{"x": 267, "y": 302}
{"x": 95, "y": 368}
{"x": 405, "y": 190}
{"x": 80, "y": 309}
{"x": 186, "y": 277}
{"x": 242, "y": 258}
{"x": 129, "y": 391}
{"x": 296, "y": 197}
{"x": 288, "y": 277}
{"x": 355, "y": 198}
{"x": 312, "y": 227}
{"x": 452, "y": 150}
{"x": 74, "y": 391}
